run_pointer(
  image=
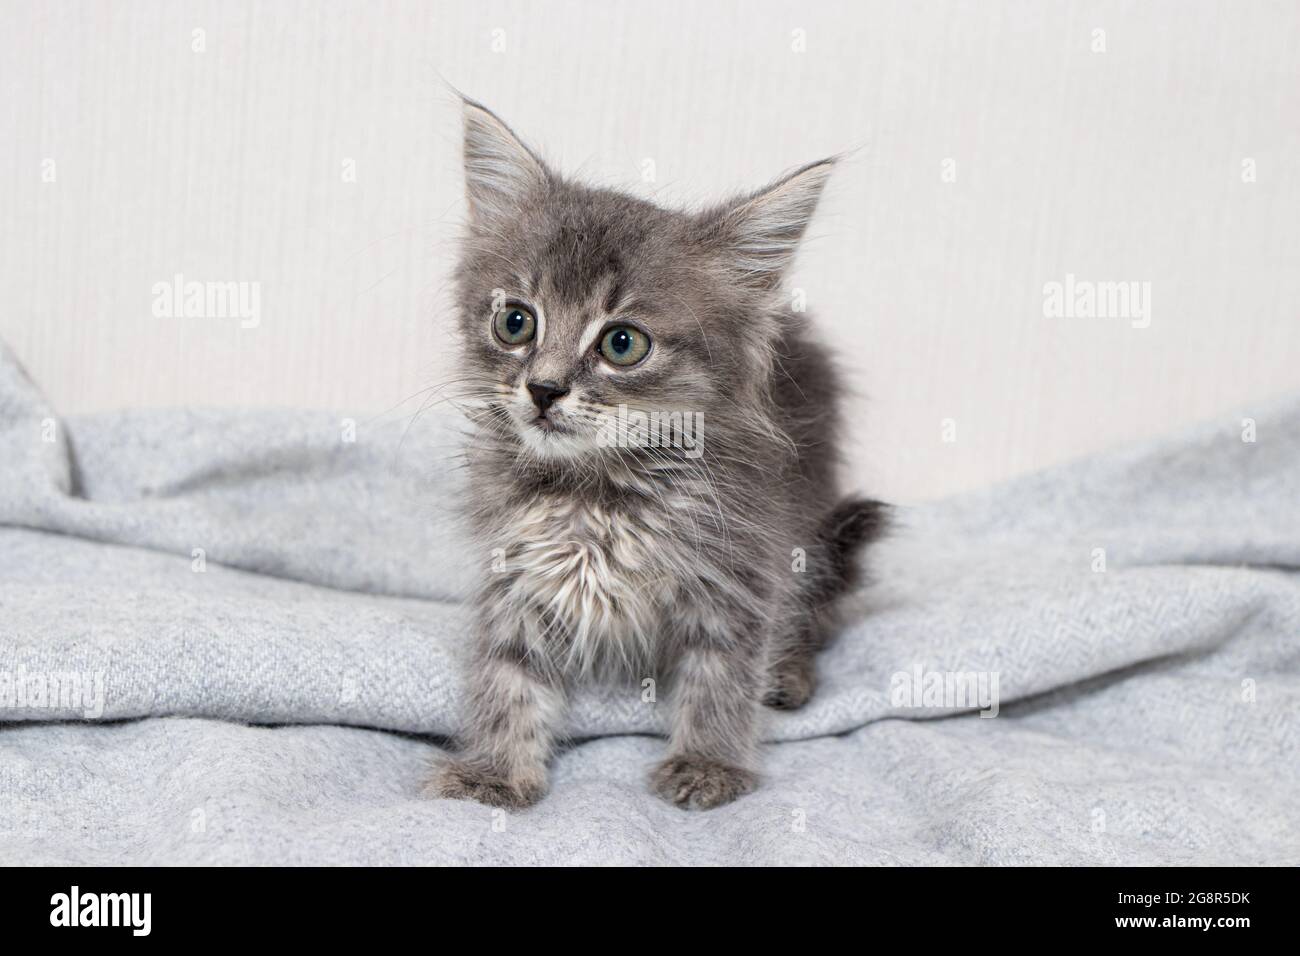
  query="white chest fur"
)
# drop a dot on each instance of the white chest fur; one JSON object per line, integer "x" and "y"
{"x": 600, "y": 574}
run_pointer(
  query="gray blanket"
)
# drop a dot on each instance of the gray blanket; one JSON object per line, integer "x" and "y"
{"x": 236, "y": 637}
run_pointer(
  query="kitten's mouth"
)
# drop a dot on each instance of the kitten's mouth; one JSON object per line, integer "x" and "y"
{"x": 548, "y": 425}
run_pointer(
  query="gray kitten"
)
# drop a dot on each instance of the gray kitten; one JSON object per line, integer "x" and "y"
{"x": 652, "y": 468}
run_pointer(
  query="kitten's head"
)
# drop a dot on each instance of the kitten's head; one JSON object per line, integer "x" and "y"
{"x": 576, "y": 302}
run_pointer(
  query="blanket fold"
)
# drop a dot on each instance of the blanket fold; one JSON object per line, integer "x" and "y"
{"x": 1128, "y": 625}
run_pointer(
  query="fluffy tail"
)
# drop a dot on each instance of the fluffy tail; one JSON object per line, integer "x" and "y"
{"x": 853, "y": 523}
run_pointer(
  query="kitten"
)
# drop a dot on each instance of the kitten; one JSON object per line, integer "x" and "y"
{"x": 652, "y": 468}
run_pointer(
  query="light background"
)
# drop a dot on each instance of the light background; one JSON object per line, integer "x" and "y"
{"x": 226, "y": 165}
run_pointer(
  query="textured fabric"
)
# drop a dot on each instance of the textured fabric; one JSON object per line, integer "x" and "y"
{"x": 271, "y": 612}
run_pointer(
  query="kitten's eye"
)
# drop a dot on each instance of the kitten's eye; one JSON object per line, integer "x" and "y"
{"x": 623, "y": 345}
{"x": 514, "y": 325}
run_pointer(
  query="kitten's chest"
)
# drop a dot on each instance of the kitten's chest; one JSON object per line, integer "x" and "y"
{"x": 602, "y": 574}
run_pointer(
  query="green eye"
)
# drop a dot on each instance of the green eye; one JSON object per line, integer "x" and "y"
{"x": 514, "y": 325}
{"x": 623, "y": 345}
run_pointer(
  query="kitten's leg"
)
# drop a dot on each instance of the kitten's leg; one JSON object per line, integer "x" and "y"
{"x": 714, "y": 742}
{"x": 515, "y": 711}
{"x": 834, "y": 570}
{"x": 792, "y": 673}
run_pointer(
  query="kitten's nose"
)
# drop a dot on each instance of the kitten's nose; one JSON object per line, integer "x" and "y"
{"x": 544, "y": 393}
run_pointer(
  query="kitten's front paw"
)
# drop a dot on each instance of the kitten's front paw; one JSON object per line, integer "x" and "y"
{"x": 701, "y": 783}
{"x": 459, "y": 780}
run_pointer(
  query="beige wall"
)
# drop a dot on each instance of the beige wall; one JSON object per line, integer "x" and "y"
{"x": 228, "y": 164}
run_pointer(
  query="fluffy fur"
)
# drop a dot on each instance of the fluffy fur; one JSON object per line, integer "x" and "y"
{"x": 713, "y": 570}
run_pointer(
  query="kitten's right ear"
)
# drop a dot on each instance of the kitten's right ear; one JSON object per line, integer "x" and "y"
{"x": 500, "y": 171}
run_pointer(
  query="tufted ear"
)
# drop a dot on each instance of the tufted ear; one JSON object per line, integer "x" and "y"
{"x": 758, "y": 234}
{"x": 500, "y": 171}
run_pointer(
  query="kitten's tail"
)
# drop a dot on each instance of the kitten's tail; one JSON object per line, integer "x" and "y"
{"x": 853, "y": 523}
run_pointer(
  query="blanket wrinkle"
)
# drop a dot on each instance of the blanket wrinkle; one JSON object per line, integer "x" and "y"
{"x": 237, "y": 637}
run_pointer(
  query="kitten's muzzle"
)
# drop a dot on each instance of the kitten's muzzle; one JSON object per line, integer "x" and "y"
{"x": 545, "y": 394}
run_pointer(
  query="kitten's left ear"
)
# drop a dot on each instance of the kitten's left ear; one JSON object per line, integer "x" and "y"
{"x": 500, "y": 171}
{"x": 759, "y": 233}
